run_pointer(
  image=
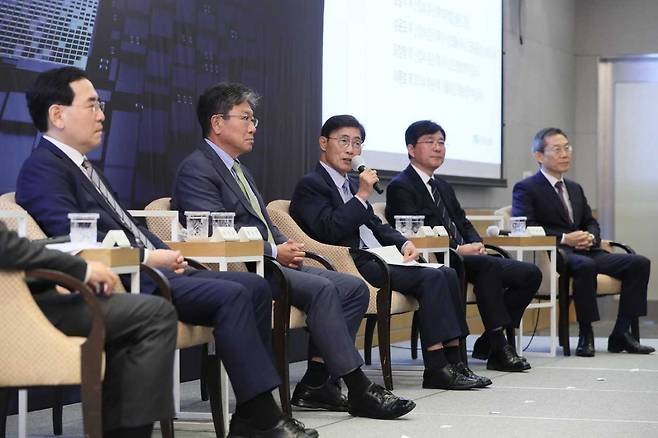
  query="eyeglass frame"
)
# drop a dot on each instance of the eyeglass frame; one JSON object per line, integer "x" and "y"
{"x": 346, "y": 141}
{"x": 243, "y": 117}
{"x": 433, "y": 142}
{"x": 559, "y": 149}
{"x": 94, "y": 106}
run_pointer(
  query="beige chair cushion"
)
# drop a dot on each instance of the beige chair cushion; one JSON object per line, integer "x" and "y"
{"x": 32, "y": 351}
{"x": 7, "y": 202}
{"x": 379, "y": 208}
{"x": 339, "y": 256}
{"x": 160, "y": 226}
{"x": 191, "y": 335}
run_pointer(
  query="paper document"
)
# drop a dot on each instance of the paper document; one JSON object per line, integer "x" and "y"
{"x": 392, "y": 256}
{"x": 73, "y": 247}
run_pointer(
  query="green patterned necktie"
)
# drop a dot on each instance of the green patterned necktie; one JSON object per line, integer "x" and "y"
{"x": 244, "y": 186}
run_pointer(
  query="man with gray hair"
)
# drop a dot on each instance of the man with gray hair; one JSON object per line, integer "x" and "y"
{"x": 559, "y": 205}
{"x": 213, "y": 179}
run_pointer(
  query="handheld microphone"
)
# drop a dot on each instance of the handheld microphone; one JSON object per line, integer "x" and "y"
{"x": 358, "y": 165}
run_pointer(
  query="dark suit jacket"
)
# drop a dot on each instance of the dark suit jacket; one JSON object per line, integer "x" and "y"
{"x": 319, "y": 210}
{"x": 203, "y": 183}
{"x": 535, "y": 198}
{"x": 406, "y": 194}
{"x": 21, "y": 254}
{"x": 50, "y": 186}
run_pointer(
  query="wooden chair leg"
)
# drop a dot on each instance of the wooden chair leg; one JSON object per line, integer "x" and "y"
{"x": 215, "y": 394}
{"x": 635, "y": 328}
{"x": 563, "y": 325}
{"x": 167, "y": 428}
{"x": 58, "y": 408}
{"x": 384, "y": 337}
{"x": 414, "y": 335}
{"x": 4, "y": 408}
{"x": 280, "y": 347}
{"x": 371, "y": 321}
{"x": 91, "y": 395}
{"x": 202, "y": 381}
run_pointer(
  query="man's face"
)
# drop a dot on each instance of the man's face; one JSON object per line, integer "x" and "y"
{"x": 556, "y": 158}
{"x": 79, "y": 125}
{"x": 234, "y": 132}
{"x": 429, "y": 152}
{"x": 338, "y": 149}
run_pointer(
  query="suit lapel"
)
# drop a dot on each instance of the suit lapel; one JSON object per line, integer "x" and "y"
{"x": 550, "y": 193}
{"x": 83, "y": 181}
{"x": 336, "y": 198}
{"x": 419, "y": 186}
{"x": 228, "y": 178}
{"x": 576, "y": 201}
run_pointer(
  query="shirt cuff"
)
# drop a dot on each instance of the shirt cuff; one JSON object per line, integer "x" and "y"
{"x": 363, "y": 202}
{"x": 403, "y": 246}
{"x": 147, "y": 252}
{"x": 563, "y": 240}
{"x": 275, "y": 250}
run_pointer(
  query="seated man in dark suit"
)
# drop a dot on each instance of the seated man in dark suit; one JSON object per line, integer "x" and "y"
{"x": 503, "y": 287}
{"x": 140, "y": 334}
{"x": 213, "y": 179}
{"x": 559, "y": 206}
{"x": 57, "y": 179}
{"x": 332, "y": 209}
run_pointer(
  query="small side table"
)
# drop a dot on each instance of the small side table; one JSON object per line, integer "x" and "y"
{"x": 427, "y": 245}
{"x": 119, "y": 260}
{"x": 205, "y": 251}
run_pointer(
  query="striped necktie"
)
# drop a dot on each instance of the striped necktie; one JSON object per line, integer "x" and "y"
{"x": 445, "y": 216}
{"x": 251, "y": 197}
{"x": 126, "y": 220}
{"x": 560, "y": 190}
{"x": 366, "y": 236}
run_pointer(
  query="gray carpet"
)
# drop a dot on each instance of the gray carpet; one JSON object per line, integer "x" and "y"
{"x": 610, "y": 395}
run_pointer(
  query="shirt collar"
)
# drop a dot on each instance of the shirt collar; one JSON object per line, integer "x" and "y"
{"x": 551, "y": 179}
{"x": 226, "y": 158}
{"x": 423, "y": 176}
{"x": 70, "y": 152}
{"x": 338, "y": 179}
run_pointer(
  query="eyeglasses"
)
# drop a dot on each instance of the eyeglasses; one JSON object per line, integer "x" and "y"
{"x": 243, "y": 117}
{"x": 95, "y": 106}
{"x": 432, "y": 142}
{"x": 345, "y": 141}
{"x": 559, "y": 150}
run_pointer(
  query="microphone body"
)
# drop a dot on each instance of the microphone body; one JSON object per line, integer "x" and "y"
{"x": 358, "y": 165}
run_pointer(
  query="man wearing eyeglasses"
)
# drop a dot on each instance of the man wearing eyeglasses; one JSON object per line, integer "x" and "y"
{"x": 331, "y": 208}
{"x": 559, "y": 205}
{"x": 503, "y": 288}
{"x": 213, "y": 179}
{"x": 57, "y": 178}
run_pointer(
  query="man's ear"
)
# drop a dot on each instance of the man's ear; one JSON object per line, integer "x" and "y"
{"x": 55, "y": 117}
{"x": 216, "y": 123}
{"x": 323, "y": 143}
{"x": 411, "y": 150}
{"x": 539, "y": 157}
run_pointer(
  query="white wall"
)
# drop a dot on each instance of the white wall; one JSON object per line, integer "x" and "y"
{"x": 604, "y": 28}
{"x": 539, "y": 87}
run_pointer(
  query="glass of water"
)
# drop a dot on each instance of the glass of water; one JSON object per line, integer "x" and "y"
{"x": 416, "y": 223}
{"x": 83, "y": 227}
{"x": 517, "y": 225}
{"x": 403, "y": 224}
{"x": 197, "y": 225}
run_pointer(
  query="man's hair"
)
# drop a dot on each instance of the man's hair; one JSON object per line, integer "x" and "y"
{"x": 50, "y": 88}
{"x": 420, "y": 128}
{"x": 220, "y": 99}
{"x": 334, "y": 123}
{"x": 539, "y": 141}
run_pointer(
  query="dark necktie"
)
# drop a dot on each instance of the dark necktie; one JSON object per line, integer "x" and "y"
{"x": 107, "y": 195}
{"x": 560, "y": 190}
{"x": 445, "y": 216}
{"x": 244, "y": 186}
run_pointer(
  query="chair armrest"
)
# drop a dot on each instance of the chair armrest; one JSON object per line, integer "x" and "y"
{"x": 384, "y": 293}
{"x": 498, "y": 250}
{"x": 626, "y": 248}
{"x": 561, "y": 262}
{"x": 96, "y": 336}
{"x": 196, "y": 265}
{"x": 320, "y": 259}
{"x": 282, "y": 302}
{"x": 161, "y": 282}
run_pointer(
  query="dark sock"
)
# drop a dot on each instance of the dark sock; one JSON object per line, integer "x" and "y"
{"x": 622, "y": 325}
{"x": 316, "y": 374}
{"x": 356, "y": 381}
{"x": 130, "y": 432}
{"x": 262, "y": 411}
{"x": 497, "y": 339}
{"x": 584, "y": 328}
{"x": 453, "y": 355}
{"x": 434, "y": 359}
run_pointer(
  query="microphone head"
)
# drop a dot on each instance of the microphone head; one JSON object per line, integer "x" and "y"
{"x": 358, "y": 164}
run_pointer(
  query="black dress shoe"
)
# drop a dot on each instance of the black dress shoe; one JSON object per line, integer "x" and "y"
{"x": 481, "y": 348}
{"x": 448, "y": 377}
{"x": 285, "y": 428}
{"x": 380, "y": 403}
{"x": 506, "y": 360}
{"x": 327, "y": 397}
{"x": 627, "y": 342}
{"x": 462, "y": 368}
{"x": 585, "y": 345}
